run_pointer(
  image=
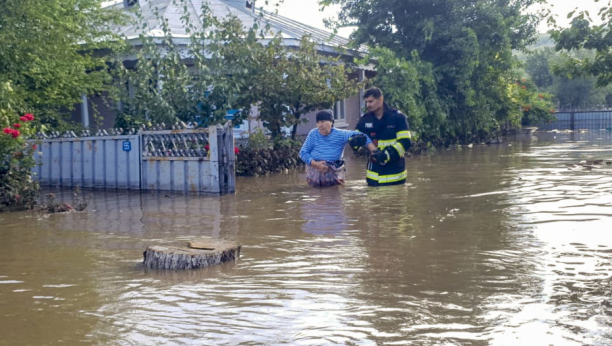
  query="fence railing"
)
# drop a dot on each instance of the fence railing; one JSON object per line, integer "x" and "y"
{"x": 593, "y": 120}
{"x": 188, "y": 160}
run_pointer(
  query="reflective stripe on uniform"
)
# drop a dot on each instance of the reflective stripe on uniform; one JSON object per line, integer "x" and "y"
{"x": 392, "y": 143}
{"x": 382, "y": 143}
{"x": 372, "y": 175}
{"x": 403, "y": 134}
{"x": 400, "y": 148}
{"x": 391, "y": 178}
{"x": 385, "y": 142}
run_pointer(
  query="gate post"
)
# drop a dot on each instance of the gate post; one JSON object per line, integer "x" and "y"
{"x": 213, "y": 141}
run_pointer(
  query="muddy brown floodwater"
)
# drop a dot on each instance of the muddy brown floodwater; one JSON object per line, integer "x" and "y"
{"x": 498, "y": 245}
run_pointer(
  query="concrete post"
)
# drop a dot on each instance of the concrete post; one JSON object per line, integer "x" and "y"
{"x": 84, "y": 111}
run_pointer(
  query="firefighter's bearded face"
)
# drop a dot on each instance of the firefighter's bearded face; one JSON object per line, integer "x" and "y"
{"x": 374, "y": 104}
{"x": 324, "y": 127}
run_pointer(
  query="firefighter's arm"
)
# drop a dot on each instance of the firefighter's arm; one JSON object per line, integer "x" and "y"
{"x": 403, "y": 140}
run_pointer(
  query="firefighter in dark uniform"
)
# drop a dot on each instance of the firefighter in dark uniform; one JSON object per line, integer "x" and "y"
{"x": 388, "y": 129}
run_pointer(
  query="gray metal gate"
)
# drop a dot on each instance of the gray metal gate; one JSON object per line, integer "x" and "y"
{"x": 178, "y": 160}
{"x": 90, "y": 162}
{"x": 190, "y": 160}
{"x": 593, "y": 120}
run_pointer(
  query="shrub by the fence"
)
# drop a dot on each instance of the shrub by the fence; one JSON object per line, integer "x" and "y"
{"x": 17, "y": 190}
{"x": 259, "y": 157}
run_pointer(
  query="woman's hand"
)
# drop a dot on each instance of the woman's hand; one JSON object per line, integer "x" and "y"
{"x": 320, "y": 166}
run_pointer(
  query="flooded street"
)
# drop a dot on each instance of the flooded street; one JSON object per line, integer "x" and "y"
{"x": 497, "y": 245}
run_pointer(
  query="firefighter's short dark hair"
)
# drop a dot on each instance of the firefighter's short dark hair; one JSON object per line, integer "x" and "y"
{"x": 374, "y": 92}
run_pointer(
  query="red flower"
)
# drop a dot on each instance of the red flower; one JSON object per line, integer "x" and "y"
{"x": 15, "y": 133}
{"x": 23, "y": 118}
{"x": 236, "y": 150}
{"x": 7, "y": 130}
{"x": 34, "y": 147}
{"x": 17, "y": 197}
{"x": 29, "y": 116}
{"x": 207, "y": 147}
{"x": 524, "y": 87}
{"x": 16, "y": 126}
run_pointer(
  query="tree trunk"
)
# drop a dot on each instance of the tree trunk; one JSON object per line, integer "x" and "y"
{"x": 198, "y": 254}
{"x": 295, "y": 126}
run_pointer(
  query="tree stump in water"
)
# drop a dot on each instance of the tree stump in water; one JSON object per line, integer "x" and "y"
{"x": 197, "y": 254}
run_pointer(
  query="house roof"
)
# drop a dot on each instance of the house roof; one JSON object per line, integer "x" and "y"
{"x": 169, "y": 10}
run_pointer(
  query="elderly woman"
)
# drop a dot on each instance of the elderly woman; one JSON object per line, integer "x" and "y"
{"x": 322, "y": 151}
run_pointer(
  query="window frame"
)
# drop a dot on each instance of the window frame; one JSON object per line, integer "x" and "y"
{"x": 339, "y": 113}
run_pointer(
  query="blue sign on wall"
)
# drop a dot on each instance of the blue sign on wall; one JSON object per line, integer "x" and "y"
{"x": 127, "y": 146}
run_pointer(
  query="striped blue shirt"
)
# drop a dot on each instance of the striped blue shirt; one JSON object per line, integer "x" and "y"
{"x": 326, "y": 148}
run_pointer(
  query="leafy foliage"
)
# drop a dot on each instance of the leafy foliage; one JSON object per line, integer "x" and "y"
{"x": 292, "y": 82}
{"x": 569, "y": 93}
{"x": 538, "y": 67}
{"x": 535, "y": 107}
{"x": 192, "y": 83}
{"x": 48, "y": 56}
{"x": 462, "y": 50}
{"x": 283, "y": 155}
{"x": 226, "y": 67}
{"x": 583, "y": 35}
{"x": 16, "y": 162}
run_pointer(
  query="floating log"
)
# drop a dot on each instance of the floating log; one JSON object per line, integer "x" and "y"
{"x": 197, "y": 254}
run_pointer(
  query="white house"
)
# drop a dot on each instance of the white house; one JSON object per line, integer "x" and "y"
{"x": 346, "y": 112}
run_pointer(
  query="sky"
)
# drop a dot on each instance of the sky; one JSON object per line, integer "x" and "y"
{"x": 307, "y": 11}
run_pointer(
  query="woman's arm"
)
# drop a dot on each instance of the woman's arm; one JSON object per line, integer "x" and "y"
{"x": 307, "y": 148}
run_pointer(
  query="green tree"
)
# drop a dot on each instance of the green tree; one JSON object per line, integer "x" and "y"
{"x": 584, "y": 35}
{"x": 50, "y": 55}
{"x": 537, "y": 65}
{"x": 580, "y": 91}
{"x": 289, "y": 83}
{"x": 468, "y": 44}
{"x": 534, "y": 107}
{"x": 410, "y": 87}
{"x": 51, "y": 52}
{"x": 197, "y": 83}
{"x": 227, "y": 67}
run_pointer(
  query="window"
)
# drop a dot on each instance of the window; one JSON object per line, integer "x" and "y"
{"x": 340, "y": 113}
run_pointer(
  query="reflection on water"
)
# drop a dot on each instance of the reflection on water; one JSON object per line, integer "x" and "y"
{"x": 496, "y": 245}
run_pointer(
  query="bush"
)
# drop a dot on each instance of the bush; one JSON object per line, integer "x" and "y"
{"x": 17, "y": 190}
{"x": 260, "y": 157}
